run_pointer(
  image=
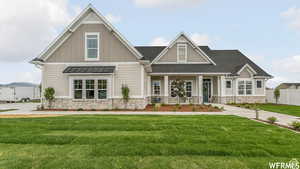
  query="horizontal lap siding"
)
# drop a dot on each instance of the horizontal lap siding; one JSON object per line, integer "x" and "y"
{"x": 53, "y": 77}
{"x": 129, "y": 74}
{"x": 111, "y": 48}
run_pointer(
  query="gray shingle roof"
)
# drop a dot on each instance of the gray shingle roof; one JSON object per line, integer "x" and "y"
{"x": 89, "y": 69}
{"x": 227, "y": 61}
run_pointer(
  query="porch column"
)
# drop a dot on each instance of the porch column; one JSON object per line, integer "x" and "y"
{"x": 200, "y": 89}
{"x": 222, "y": 87}
{"x": 149, "y": 86}
{"x": 166, "y": 88}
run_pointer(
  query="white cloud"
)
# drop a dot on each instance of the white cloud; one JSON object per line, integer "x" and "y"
{"x": 32, "y": 76}
{"x": 167, "y": 3}
{"x": 292, "y": 15}
{"x": 288, "y": 65}
{"x": 112, "y": 18}
{"x": 201, "y": 39}
{"x": 272, "y": 83}
{"x": 28, "y": 26}
{"x": 160, "y": 41}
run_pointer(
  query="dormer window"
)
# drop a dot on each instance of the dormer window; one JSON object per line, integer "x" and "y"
{"x": 181, "y": 53}
{"x": 91, "y": 46}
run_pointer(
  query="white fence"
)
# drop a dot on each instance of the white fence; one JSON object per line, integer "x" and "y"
{"x": 287, "y": 96}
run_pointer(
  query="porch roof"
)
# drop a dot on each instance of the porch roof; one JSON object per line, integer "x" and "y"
{"x": 89, "y": 69}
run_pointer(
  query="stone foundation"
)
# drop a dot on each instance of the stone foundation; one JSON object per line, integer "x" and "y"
{"x": 239, "y": 99}
{"x": 172, "y": 100}
{"x": 107, "y": 104}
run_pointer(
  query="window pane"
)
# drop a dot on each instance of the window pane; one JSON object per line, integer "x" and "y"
{"x": 241, "y": 87}
{"x": 92, "y": 36}
{"x": 102, "y": 84}
{"x": 188, "y": 89}
{"x": 102, "y": 94}
{"x": 92, "y": 43}
{"x": 90, "y": 84}
{"x": 78, "y": 94}
{"x": 90, "y": 94}
{"x": 228, "y": 84}
{"x": 77, "y": 84}
{"x": 92, "y": 53}
{"x": 259, "y": 84}
{"x": 156, "y": 87}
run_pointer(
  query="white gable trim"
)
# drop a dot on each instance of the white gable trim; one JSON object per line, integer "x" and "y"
{"x": 70, "y": 31}
{"x": 172, "y": 43}
{"x": 253, "y": 72}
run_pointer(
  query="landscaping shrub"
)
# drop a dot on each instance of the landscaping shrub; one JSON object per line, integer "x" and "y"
{"x": 272, "y": 120}
{"x": 49, "y": 95}
{"x": 157, "y": 106}
{"x": 194, "y": 109}
{"x": 296, "y": 125}
{"x": 80, "y": 109}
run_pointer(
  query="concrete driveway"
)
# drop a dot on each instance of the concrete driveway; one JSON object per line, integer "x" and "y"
{"x": 22, "y": 107}
{"x": 283, "y": 119}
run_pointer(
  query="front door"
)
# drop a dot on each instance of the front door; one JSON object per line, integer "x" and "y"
{"x": 206, "y": 90}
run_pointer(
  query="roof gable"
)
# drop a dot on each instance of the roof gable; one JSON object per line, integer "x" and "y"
{"x": 88, "y": 15}
{"x": 246, "y": 71}
{"x": 182, "y": 38}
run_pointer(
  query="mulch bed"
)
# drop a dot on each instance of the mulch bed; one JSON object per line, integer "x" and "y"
{"x": 163, "y": 108}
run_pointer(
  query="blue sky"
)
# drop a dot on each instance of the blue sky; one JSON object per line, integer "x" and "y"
{"x": 266, "y": 31}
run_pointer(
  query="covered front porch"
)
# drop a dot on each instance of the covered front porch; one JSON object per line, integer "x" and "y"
{"x": 199, "y": 89}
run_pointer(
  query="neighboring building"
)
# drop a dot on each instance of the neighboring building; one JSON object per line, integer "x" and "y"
{"x": 90, "y": 61}
{"x": 19, "y": 92}
{"x": 289, "y": 86}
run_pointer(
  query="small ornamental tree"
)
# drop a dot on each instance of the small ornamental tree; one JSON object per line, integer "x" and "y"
{"x": 277, "y": 94}
{"x": 125, "y": 94}
{"x": 49, "y": 95}
{"x": 178, "y": 87}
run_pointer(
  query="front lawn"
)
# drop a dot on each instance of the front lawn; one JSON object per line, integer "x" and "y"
{"x": 150, "y": 142}
{"x": 279, "y": 108}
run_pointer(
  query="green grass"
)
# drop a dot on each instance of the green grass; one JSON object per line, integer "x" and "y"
{"x": 5, "y": 110}
{"x": 143, "y": 142}
{"x": 284, "y": 109}
{"x": 279, "y": 108}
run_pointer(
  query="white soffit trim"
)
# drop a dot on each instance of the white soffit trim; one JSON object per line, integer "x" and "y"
{"x": 106, "y": 23}
{"x": 247, "y": 66}
{"x": 190, "y": 41}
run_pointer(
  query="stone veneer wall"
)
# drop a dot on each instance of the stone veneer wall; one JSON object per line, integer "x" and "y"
{"x": 239, "y": 99}
{"x": 108, "y": 104}
{"x": 172, "y": 100}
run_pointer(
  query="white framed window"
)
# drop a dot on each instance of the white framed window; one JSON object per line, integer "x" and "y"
{"x": 228, "y": 84}
{"x": 78, "y": 89}
{"x": 90, "y": 89}
{"x": 92, "y": 46}
{"x": 181, "y": 53}
{"x": 259, "y": 84}
{"x": 102, "y": 89}
{"x": 156, "y": 88}
{"x": 245, "y": 87}
{"x": 188, "y": 88}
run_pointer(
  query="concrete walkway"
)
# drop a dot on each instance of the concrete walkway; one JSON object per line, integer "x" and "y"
{"x": 28, "y": 109}
{"x": 283, "y": 119}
